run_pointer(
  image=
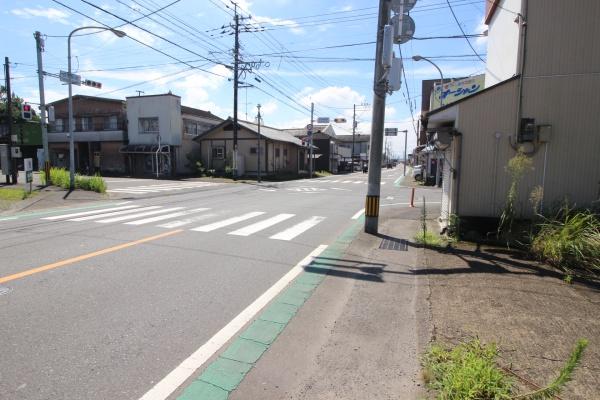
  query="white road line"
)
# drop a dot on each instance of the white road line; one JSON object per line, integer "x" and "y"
{"x": 358, "y": 214}
{"x": 336, "y": 181}
{"x": 187, "y": 221}
{"x": 358, "y": 181}
{"x": 132, "y": 191}
{"x": 383, "y": 183}
{"x": 164, "y": 388}
{"x": 389, "y": 198}
{"x": 296, "y": 230}
{"x": 347, "y": 190}
{"x": 133, "y": 216}
{"x": 227, "y": 222}
{"x": 110, "y": 214}
{"x": 406, "y": 204}
{"x": 259, "y": 226}
{"x": 88, "y": 212}
{"x": 167, "y": 216}
{"x": 268, "y": 190}
{"x": 346, "y": 181}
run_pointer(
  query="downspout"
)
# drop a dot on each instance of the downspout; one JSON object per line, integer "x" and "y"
{"x": 458, "y": 171}
{"x": 522, "y": 20}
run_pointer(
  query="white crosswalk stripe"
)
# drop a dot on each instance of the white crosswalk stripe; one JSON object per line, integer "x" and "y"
{"x": 110, "y": 214}
{"x": 87, "y": 212}
{"x": 259, "y": 226}
{"x": 170, "y": 218}
{"x": 297, "y": 229}
{"x": 161, "y": 187}
{"x": 166, "y": 216}
{"x": 227, "y": 222}
{"x": 133, "y": 216}
{"x": 186, "y": 221}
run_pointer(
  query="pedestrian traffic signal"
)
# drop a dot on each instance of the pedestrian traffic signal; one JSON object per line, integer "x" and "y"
{"x": 26, "y": 111}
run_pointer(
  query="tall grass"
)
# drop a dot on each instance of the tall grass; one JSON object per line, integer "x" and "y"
{"x": 60, "y": 177}
{"x": 466, "y": 372}
{"x": 569, "y": 240}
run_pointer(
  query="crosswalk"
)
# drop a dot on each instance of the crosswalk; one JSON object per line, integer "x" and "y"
{"x": 163, "y": 187}
{"x": 344, "y": 181}
{"x": 282, "y": 226}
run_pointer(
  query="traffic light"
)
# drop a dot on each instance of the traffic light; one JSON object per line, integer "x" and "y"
{"x": 26, "y": 111}
{"x": 93, "y": 84}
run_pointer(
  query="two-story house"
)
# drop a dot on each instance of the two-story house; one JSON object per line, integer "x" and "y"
{"x": 100, "y": 129}
{"x": 161, "y": 133}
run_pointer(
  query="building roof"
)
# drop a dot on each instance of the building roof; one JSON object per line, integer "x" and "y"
{"x": 84, "y": 97}
{"x": 490, "y": 8}
{"x": 153, "y": 95}
{"x": 487, "y": 89}
{"x": 302, "y": 132}
{"x": 199, "y": 113}
{"x": 265, "y": 131}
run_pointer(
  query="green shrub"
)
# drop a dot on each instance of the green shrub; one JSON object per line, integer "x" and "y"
{"x": 468, "y": 371}
{"x": 569, "y": 240}
{"x": 60, "y": 177}
{"x": 428, "y": 238}
{"x": 12, "y": 194}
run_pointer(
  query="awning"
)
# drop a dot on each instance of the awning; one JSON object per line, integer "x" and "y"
{"x": 145, "y": 149}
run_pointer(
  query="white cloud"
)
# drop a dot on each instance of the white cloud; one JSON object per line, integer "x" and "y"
{"x": 332, "y": 96}
{"x": 269, "y": 108}
{"x": 319, "y": 72}
{"x": 291, "y": 24}
{"x": 481, "y": 27}
{"x": 53, "y": 14}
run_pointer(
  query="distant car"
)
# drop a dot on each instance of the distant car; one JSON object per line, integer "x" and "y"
{"x": 418, "y": 172}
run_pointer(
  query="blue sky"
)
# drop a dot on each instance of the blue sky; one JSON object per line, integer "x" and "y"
{"x": 297, "y": 42}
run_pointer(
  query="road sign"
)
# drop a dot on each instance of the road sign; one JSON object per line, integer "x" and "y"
{"x": 309, "y": 127}
{"x": 407, "y": 5}
{"x": 28, "y": 164}
{"x": 323, "y": 120}
{"x": 404, "y": 28}
{"x": 74, "y": 78}
{"x": 391, "y": 131}
{"x": 340, "y": 120}
{"x": 29, "y": 177}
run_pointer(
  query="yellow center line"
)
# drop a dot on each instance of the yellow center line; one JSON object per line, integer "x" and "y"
{"x": 73, "y": 260}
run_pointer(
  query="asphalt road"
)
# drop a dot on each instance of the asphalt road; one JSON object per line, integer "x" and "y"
{"x": 103, "y": 301}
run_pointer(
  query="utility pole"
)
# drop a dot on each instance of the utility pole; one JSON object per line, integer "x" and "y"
{"x": 39, "y": 44}
{"x": 353, "y": 133}
{"x": 405, "y": 140}
{"x": 310, "y": 133}
{"x": 379, "y": 93}
{"x": 236, "y": 59}
{"x": 9, "y": 120}
{"x": 258, "y": 144}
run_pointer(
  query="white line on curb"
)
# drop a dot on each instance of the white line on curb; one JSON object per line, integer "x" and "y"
{"x": 358, "y": 214}
{"x": 163, "y": 389}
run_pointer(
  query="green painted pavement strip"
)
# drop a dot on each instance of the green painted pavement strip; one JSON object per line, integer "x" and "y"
{"x": 224, "y": 374}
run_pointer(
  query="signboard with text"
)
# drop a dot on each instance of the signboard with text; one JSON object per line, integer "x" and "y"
{"x": 456, "y": 90}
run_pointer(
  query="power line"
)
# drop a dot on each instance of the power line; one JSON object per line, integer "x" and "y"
{"x": 463, "y": 32}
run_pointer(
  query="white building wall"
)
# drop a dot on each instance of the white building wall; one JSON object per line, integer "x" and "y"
{"x": 502, "y": 43}
{"x": 168, "y": 110}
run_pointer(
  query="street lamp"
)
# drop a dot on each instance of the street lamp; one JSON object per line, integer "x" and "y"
{"x": 419, "y": 58}
{"x": 71, "y": 127}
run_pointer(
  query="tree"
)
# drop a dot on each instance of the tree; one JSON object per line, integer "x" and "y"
{"x": 16, "y": 106}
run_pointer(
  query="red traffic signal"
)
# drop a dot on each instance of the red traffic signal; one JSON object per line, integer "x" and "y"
{"x": 93, "y": 84}
{"x": 26, "y": 112}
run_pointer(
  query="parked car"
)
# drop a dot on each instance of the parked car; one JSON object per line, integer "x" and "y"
{"x": 418, "y": 172}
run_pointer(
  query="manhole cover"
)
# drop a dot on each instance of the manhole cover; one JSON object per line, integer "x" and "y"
{"x": 4, "y": 290}
{"x": 394, "y": 244}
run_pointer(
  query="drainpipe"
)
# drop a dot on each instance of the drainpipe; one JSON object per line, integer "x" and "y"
{"x": 522, "y": 20}
{"x": 457, "y": 172}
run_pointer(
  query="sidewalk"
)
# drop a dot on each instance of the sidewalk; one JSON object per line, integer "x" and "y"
{"x": 360, "y": 334}
{"x": 46, "y": 197}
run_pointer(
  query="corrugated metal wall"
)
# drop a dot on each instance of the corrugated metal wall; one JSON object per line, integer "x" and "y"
{"x": 561, "y": 88}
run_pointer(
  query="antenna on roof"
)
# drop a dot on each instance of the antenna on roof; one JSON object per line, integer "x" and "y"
{"x": 139, "y": 92}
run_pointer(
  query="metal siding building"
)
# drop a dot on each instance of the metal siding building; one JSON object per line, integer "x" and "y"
{"x": 560, "y": 89}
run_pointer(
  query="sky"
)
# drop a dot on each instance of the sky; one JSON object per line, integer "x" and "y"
{"x": 299, "y": 52}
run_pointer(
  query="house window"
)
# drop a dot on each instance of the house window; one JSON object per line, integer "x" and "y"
{"x": 58, "y": 125}
{"x": 148, "y": 125}
{"x": 110, "y": 123}
{"x": 190, "y": 127}
{"x": 87, "y": 124}
{"x": 285, "y": 152}
{"x": 218, "y": 153}
{"x": 276, "y": 153}
{"x": 253, "y": 150}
